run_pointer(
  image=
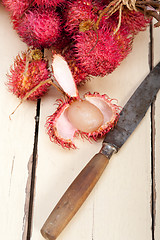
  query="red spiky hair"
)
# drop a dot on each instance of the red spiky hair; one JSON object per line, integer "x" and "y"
{"x": 135, "y": 21}
{"x": 39, "y": 27}
{"x": 99, "y": 53}
{"x": 49, "y": 3}
{"x": 78, "y": 12}
{"x": 80, "y": 76}
{"x": 16, "y": 7}
{"x": 23, "y": 77}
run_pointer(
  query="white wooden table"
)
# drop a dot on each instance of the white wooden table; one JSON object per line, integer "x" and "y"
{"x": 125, "y": 204}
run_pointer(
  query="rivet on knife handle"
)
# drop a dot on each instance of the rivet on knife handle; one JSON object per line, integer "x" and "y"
{"x": 74, "y": 197}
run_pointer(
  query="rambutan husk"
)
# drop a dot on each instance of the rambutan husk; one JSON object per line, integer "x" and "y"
{"x": 55, "y": 127}
{"x": 62, "y": 131}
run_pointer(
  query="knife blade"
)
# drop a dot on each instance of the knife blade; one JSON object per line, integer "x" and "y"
{"x": 130, "y": 116}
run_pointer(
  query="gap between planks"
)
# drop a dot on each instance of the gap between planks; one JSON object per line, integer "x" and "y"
{"x": 30, "y": 186}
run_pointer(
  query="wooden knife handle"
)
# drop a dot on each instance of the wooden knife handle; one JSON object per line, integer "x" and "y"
{"x": 74, "y": 197}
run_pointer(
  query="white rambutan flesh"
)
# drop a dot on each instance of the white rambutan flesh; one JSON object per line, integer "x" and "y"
{"x": 85, "y": 116}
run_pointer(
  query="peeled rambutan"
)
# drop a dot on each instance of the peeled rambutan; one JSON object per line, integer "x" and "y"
{"x": 16, "y": 7}
{"x": 27, "y": 72}
{"x": 39, "y": 27}
{"x": 80, "y": 15}
{"x": 91, "y": 117}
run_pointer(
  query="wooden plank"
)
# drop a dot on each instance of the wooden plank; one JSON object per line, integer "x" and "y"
{"x": 16, "y": 139}
{"x": 157, "y": 140}
{"x": 119, "y": 206}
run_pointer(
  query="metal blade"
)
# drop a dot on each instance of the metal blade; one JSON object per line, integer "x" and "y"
{"x": 135, "y": 109}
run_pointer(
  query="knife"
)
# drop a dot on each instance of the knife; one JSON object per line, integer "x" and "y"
{"x": 130, "y": 116}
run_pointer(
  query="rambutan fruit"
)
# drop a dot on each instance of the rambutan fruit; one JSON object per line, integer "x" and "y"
{"x": 100, "y": 52}
{"x": 80, "y": 15}
{"x": 39, "y": 27}
{"x": 28, "y": 71}
{"x": 16, "y": 7}
{"x": 91, "y": 117}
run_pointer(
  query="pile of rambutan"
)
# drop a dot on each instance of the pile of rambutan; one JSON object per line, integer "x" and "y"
{"x": 87, "y": 38}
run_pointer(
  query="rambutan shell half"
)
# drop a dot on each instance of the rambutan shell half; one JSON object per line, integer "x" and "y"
{"x": 63, "y": 76}
{"x": 110, "y": 112}
{"x": 59, "y": 129}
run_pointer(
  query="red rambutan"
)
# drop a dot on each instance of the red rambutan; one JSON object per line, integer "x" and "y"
{"x": 80, "y": 15}
{"x": 100, "y": 51}
{"x": 39, "y": 27}
{"x": 26, "y": 73}
{"x": 97, "y": 57}
{"x": 16, "y": 7}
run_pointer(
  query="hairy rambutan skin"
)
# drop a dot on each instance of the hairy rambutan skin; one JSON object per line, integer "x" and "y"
{"x": 80, "y": 76}
{"x": 80, "y": 11}
{"x": 49, "y": 3}
{"x": 51, "y": 126}
{"x": 124, "y": 39}
{"x": 21, "y": 80}
{"x": 100, "y": 52}
{"x": 39, "y": 27}
{"x": 97, "y": 58}
{"x": 135, "y": 21}
{"x": 16, "y": 7}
